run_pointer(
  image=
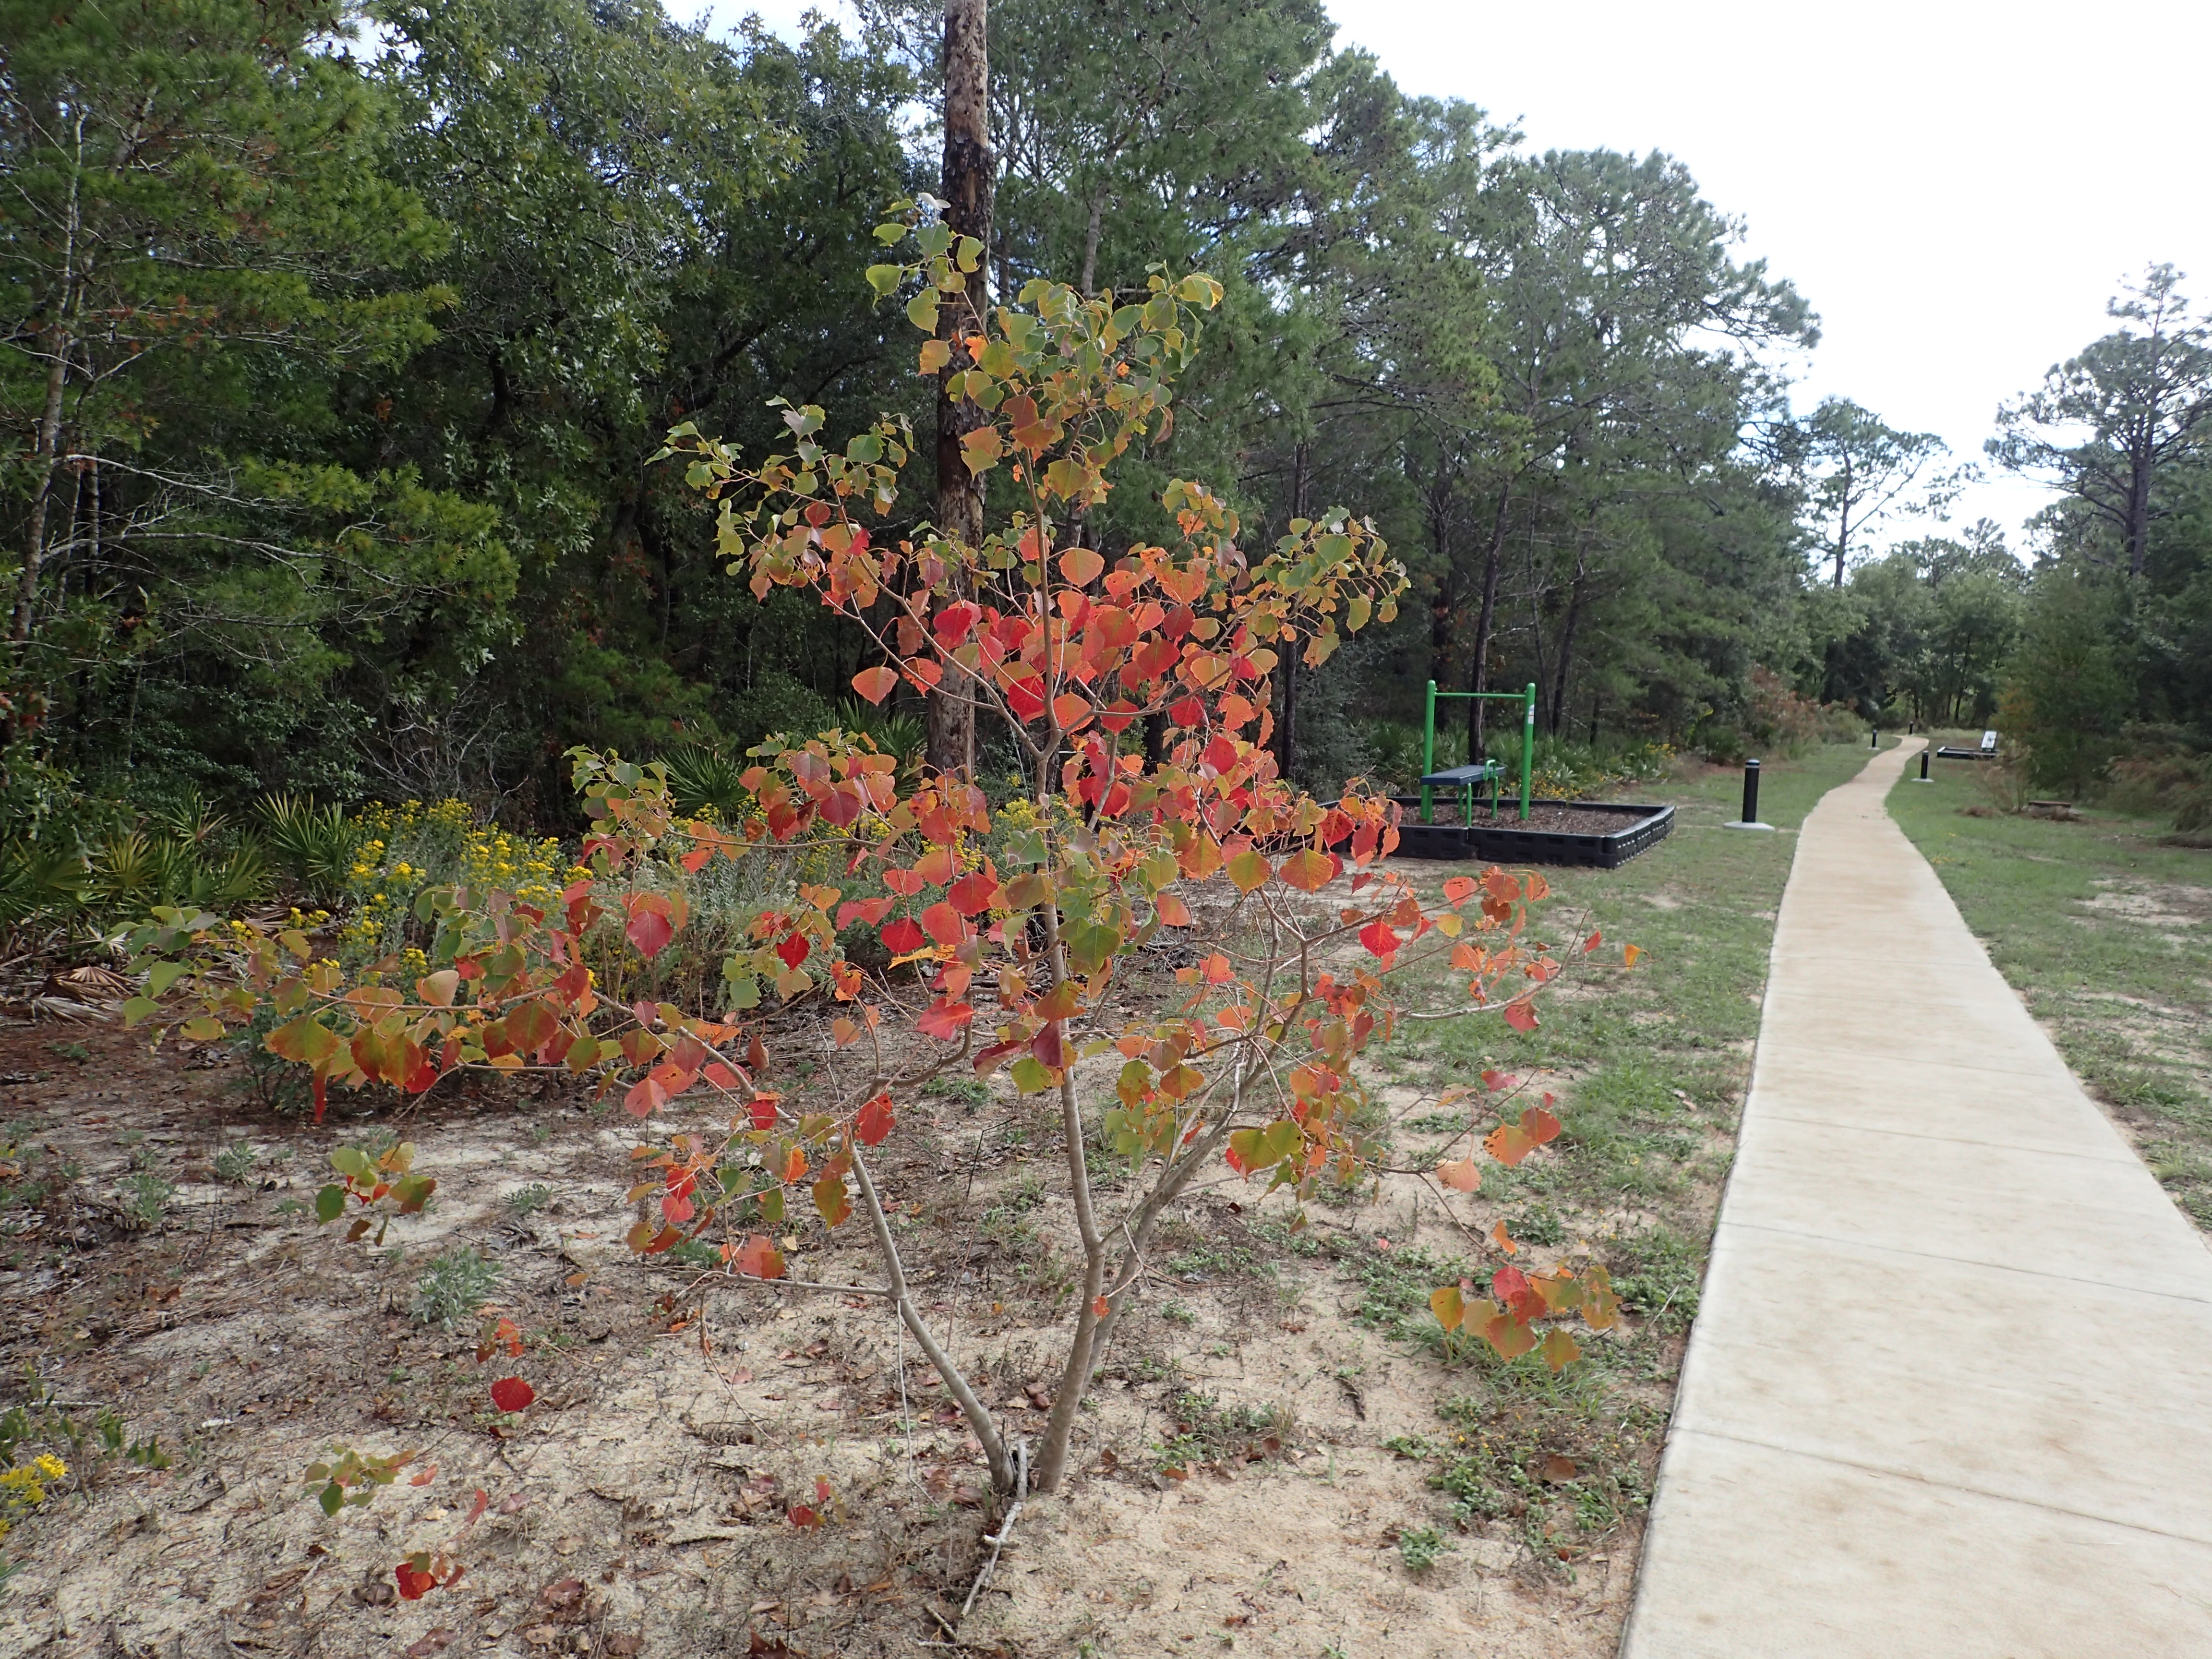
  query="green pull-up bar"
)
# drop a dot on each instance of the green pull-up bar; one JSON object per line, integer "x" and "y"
{"x": 1527, "y": 700}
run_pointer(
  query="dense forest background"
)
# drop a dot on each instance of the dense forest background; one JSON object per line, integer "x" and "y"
{"x": 340, "y": 338}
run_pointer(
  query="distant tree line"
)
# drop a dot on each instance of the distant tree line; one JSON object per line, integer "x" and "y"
{"x": 339, "y": 339}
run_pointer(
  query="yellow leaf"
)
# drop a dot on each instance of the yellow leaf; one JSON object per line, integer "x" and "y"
{"x": 1448, "y": 1307}
{"x": 1249, "y": 870}
{"x": 935, "y": 354}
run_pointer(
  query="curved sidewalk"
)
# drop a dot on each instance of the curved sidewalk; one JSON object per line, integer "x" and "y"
{"x": 1949, "y": 1392}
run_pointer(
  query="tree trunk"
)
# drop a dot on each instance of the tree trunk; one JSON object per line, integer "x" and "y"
{"x": 1090, "y": 244}
{"x": 1843, "y": 523}
{"x": 45, "y": 454}
{"x": 1286, "y": 733}
{"x": 1478, "y": 676}
{"x": 2140, "y": 467}
{"x": 1566, "y": 654}
{"x": 967, "y": 186}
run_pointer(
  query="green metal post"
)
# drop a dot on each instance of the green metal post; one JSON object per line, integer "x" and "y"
{"x": 1527, "y": 747}
{"x": 1428, "y": 747}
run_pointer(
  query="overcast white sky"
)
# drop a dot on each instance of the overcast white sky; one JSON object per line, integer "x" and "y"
{"x": 1956, "y": 187}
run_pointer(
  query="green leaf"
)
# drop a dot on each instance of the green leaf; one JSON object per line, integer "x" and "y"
{"x": 885, "y": 279}
{"x": 330, "y": 1204}
{"x": 139, "y": 1008}
{"x": 205, "y": 1029}
{"x": 332, "y": 1497}
{"x": 1030, "y": 1075}
{"x": 351, "y": 1161}
{"x": 163, "y": 975}
{"x": 305, "y": 1040}
{"x": 921, "y": 311}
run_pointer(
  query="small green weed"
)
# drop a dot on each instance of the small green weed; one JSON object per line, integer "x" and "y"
{"x": 236, "y": 1161}
{"x": 528, "y": 1200}
{"x": 1206, "y": 1431}
{"x": 970, "y": 1092}
{"x": 1422, "y": 1548}
{"x": 454, "y": 1285}
{"x": 75, "y": 1051}
{"x": 145, "y": 1197}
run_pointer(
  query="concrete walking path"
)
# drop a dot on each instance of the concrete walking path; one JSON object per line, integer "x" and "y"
{"x": 1950, "y": 1391}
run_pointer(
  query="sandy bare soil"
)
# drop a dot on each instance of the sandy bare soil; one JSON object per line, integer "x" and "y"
{"x": 1234, "y": 1491}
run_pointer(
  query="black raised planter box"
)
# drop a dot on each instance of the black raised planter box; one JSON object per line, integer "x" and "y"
{"x": 1642, "y": 825}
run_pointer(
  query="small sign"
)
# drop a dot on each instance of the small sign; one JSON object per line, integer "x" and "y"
{"x": 1988, "y": 743}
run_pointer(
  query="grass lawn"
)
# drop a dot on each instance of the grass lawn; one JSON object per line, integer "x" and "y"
{"x": 1650, "y": 1068}
{"x": 2103, "y": 932}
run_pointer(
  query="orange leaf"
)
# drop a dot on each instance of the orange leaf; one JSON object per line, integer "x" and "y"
{"x": 1629, "y": 953}
{"x": 875, "y": 684}
{"x": 1519, "y": 1016}
{"x": 1309, "y": 871}
{"x": 1081, "y": 566}
{"x": 1559, "y": 1350}
{"x": 1461, "y": 1174}
{"x": 1072, "y": 711}
{"x": 1173, "y": 911}
{"x": 1100, "y": 1307}
{"x": 1503, "y": 1240}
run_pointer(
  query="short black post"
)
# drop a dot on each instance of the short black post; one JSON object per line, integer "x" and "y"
{"x": 1750, "y": 792}
{"x": 1923, "y": 766}
{"x": 1874, "y": 739}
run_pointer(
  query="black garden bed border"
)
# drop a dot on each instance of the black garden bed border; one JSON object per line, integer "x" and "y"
{"x": 1504, "y": 845}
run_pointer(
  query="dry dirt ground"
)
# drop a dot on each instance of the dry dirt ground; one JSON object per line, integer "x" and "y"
{"x": 1265, "y": 1441}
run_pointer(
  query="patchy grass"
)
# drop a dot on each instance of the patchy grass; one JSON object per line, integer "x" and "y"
{"x": 2103, "y": 932}
{"x": 1649, "y": 1069}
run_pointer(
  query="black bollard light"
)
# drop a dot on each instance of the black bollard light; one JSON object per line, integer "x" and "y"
{"x": 1923, "y": 766}
{"x": 1874, "y": 739}
{"x": 1751, "y": 792}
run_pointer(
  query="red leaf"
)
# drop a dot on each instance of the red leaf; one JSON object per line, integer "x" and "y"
{"x": 1519, "y": 1016}
{"x": 943, "y": 1020}
{"x": 903, "y": 935}
{"x": 649, "y": 931}
{"x": 413, "y": 1581}
{"x": 1377, "y": 937}
{"x": 972, "y": 893}
{"x": 794, "y": 949}
{"x": 759, "y": 1259}
{"x": 512, "y": 1393}
{"x": 875, "y": 1120}
{"x": 944, "y": 923}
